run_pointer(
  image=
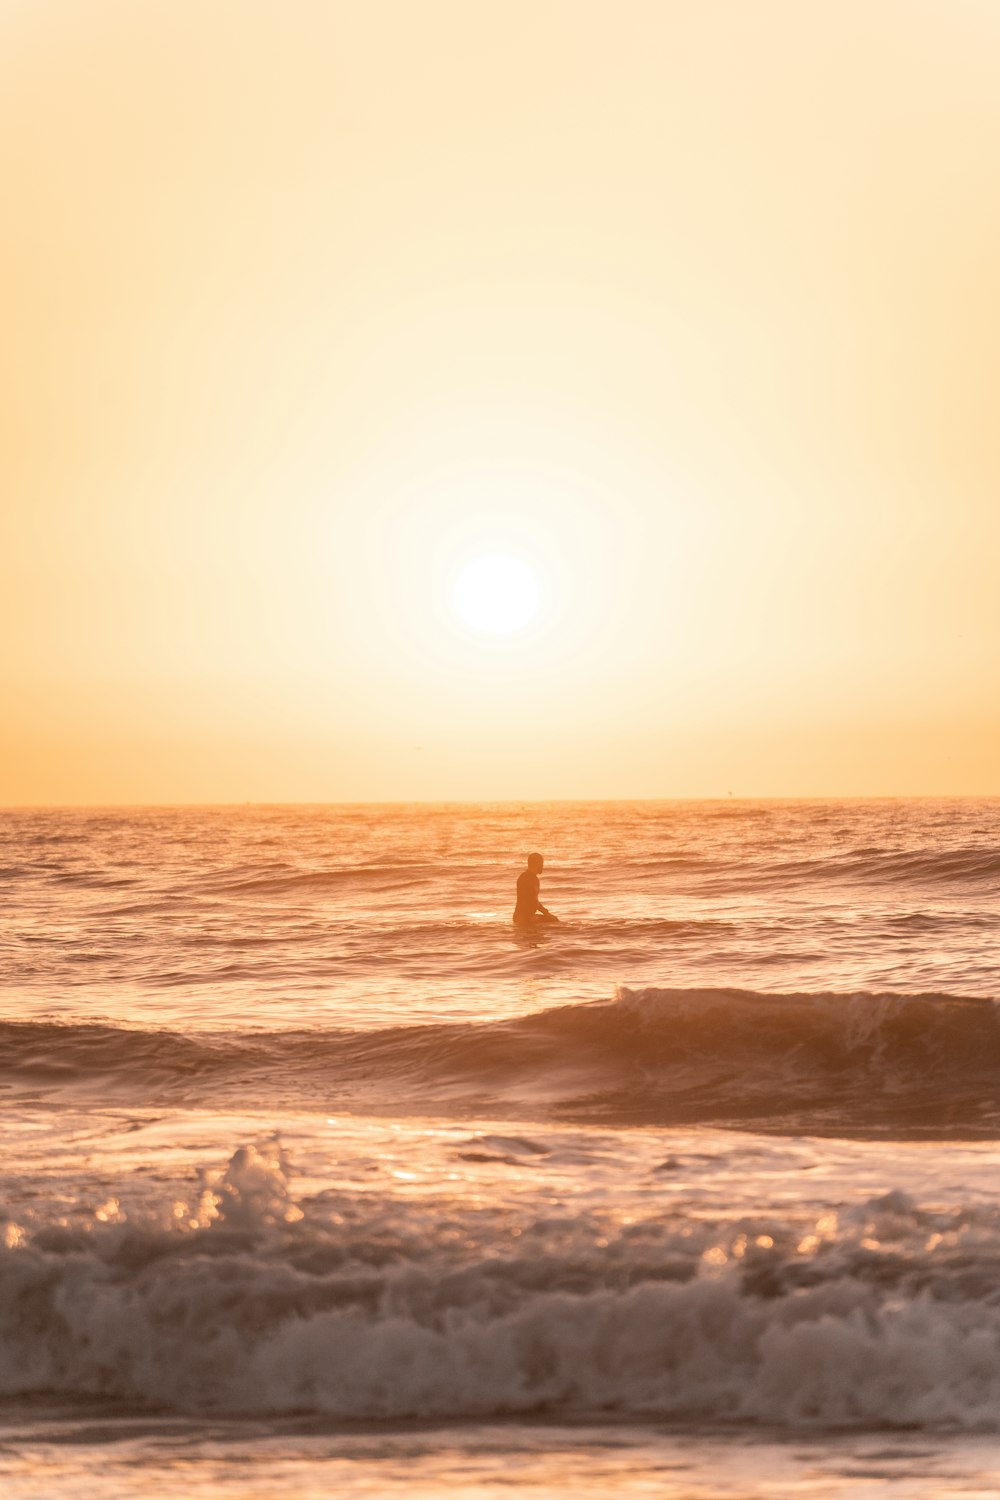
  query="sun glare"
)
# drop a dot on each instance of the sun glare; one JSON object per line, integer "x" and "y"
{"x": 496, "y": 594}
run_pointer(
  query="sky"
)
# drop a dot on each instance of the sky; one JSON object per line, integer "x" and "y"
{"x": 685, "y": 315}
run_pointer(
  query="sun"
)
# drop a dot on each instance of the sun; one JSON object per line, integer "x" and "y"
{"x": 496, "y": 594}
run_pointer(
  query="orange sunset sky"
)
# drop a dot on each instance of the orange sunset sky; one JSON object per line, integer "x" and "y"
{"x": 689, "y": 313}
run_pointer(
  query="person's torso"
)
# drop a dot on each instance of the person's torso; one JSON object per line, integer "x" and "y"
{"x": 527, "y": 891}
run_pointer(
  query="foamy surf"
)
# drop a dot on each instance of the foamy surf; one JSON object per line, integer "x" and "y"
{"x": 239, "y": 1296}
{"x": 306, "y": 1145}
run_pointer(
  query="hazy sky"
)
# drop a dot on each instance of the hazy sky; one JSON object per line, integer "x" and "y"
{"x": 690, "y": 309}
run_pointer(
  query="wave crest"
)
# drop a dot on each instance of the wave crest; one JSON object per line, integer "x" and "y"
{"x": 822, "y": 1063}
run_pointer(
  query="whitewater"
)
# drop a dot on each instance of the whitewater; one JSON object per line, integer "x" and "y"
{"x": 320, "y": 1176}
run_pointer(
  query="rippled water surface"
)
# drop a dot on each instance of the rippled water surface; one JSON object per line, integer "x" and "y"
{"x": 319, "y": 1177}
{"x": 292, "y": 916}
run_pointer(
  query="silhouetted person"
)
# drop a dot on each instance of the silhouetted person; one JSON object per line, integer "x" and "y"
{"x": 529, "y": 910}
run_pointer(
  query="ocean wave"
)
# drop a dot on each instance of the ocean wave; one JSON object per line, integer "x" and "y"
{"x": 866, "y": 866}
{"x": 893, "y": 1064}
{"x": 245, "y": 1301}
{"x": 873, "y": 866}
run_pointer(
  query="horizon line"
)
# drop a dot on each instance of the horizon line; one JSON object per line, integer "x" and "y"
{"x": 725, "y": 797}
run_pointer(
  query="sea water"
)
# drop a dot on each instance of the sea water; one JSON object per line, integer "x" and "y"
{"x": 321, "y": 1178}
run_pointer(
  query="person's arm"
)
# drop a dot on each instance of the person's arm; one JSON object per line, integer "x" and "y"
{"x": 543, "y": 909}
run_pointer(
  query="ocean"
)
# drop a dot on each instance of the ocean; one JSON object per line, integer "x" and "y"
{"x": 320, "y": 1178}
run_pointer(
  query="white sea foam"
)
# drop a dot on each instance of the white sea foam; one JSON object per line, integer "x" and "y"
{"x": 252, "y": 1303}
{"x": 208, "y": 976}
{"x": 222, "y": 1334}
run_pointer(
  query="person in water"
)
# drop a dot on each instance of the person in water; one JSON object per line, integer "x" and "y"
{"x": 529, "y": 911}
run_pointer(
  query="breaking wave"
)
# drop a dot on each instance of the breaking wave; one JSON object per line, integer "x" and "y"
{"x": 903, "y": 1065}
{"x": 248, "y": 1302}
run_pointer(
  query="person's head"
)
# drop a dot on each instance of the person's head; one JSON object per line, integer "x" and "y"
{"x": 535, "y": 863}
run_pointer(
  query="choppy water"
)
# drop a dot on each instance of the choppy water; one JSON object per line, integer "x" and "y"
{"x": 305, "y": 1145}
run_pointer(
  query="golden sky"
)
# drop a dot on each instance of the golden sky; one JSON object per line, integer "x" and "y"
{"x": 691, "y": 311}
